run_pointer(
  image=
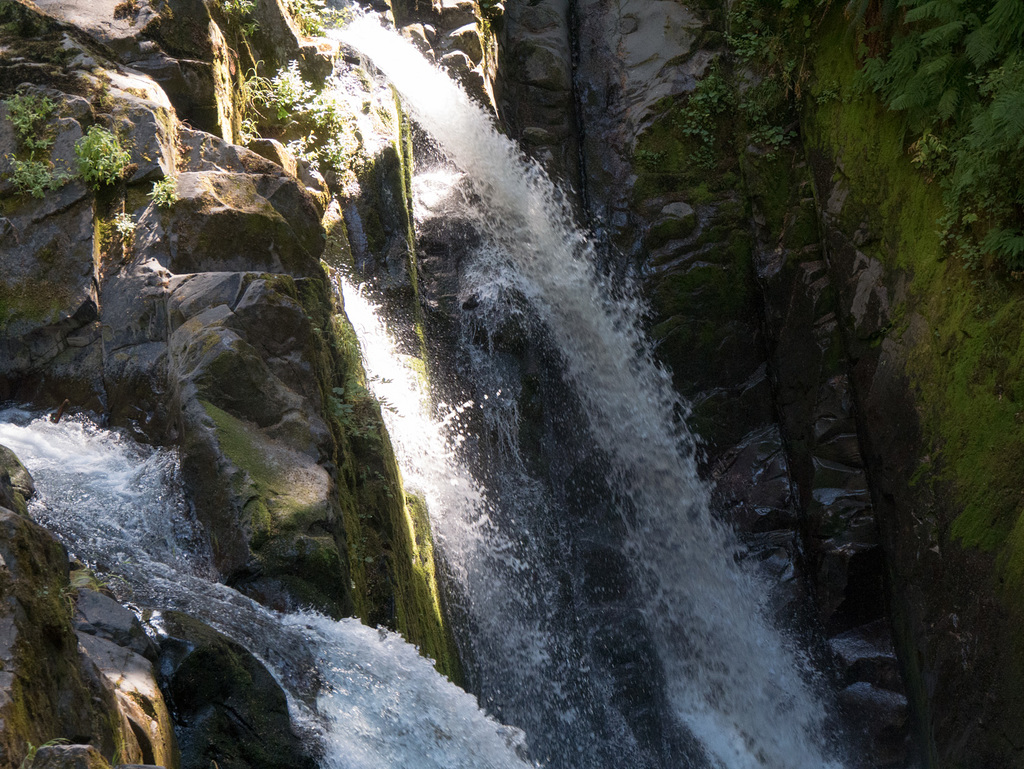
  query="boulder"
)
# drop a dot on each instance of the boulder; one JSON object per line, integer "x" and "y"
{"x": 227, "y": 707}
{"x": 16, "y": 485}
{"x": 467, "y": 39}
{"x": 232, "y": 221}
{"x": 139, "y": 699}
{"x": 677, "y": 220}
{"x": 69, "y": 757}
{"x": 245, "y": 359}
{"x": 47, "y": 688}
{"x": 100, "y": 615}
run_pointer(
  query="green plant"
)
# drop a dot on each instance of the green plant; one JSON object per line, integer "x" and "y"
{"x": 238, "y": 8}
{"x": 297, "y": 108}
{"x": 101, "y": 158}
{"x": 955, "y": 71}
{"x": 165, "y": 192}
{"x": 29, "y": 114}
{"x": 124, "y": 226}
{"x": 699, "y": 117}
{"x": 34, "y": 177}
{"x": 314, "y": 17}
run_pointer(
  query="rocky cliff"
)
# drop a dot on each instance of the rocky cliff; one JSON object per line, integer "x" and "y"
{"x": 852, "y": 381}
{"x": 167, "y": 261}
{"x": 179, "y": 286}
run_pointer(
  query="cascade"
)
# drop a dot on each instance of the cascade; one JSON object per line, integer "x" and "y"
{"x": 366, "y": 697}
{"x": 730, "y": 680}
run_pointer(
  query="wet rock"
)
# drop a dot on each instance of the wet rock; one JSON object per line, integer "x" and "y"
{"x": 865, "y": 653}
{"x": 102, "y": 616}
{"x": 878, "y": 720}
{"x": 226, "y": 706}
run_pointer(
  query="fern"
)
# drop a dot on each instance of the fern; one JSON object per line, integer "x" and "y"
{"x": 955, "y": 71}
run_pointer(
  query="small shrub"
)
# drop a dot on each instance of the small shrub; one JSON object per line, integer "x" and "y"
{"x": 35, "y": 177}
{"x": 165, "y": 192}
{"x": 29, "y": 114}
{"x": 101, "y": 158}
{"x": 314, "y": 17}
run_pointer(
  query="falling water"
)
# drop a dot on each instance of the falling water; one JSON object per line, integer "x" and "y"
{"x": 367, "y": 698}
{"x": 732, "y": 679}
{"x": 501, "y": 575}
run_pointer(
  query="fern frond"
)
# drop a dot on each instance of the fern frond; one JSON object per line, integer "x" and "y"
{"x": 944, "y": 33}
{"x": 1007, "y": 18}
{"x": 981, "y": 45}
{"x": 948, "y": 103}
{"x": 936, "y": 10}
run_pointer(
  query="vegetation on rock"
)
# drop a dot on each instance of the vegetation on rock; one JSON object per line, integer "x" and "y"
{"x": 101, "y": 158}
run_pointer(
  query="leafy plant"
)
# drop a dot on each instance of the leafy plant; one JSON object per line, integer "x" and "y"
{"x": 101, "y": 158}
{"x": 699, "y": 117}
{"x": 165, "y": 192}
{"x": 124, "y": 226}
{"x": 29, "y": 114}
{"x": 955, "y": 70}
{"x": 307, "y": 114}
{"x": 314, "y": 17}
{"x": 35, "y": 177}
{"x": 238, "y": 8}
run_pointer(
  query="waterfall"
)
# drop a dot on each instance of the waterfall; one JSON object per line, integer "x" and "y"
{"x": 367, "y": 697}
{"x": 731, "y": 679}
{"x": 502, "y": 577}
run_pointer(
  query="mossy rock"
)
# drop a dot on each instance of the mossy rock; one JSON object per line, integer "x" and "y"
{"x": 16, "y": 485}
{"x": 47, "y": 689}
{"x": 227, "y": 222}
{"x": 937, "y": 375}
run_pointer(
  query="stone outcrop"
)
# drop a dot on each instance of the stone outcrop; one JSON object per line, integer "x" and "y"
{"x": 205, "y": 319}
{"x": 70, "y": 671}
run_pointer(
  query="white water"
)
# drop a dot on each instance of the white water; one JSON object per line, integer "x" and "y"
{"x": 735, "y": 682}
{"x": 368, "y": 698}
{"x": 500, "y": 575}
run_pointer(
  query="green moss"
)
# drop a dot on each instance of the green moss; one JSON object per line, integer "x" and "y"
{"x": 34, "y": 300}
{"x": 969, "y": 368}
{"x": 418, "y": 602}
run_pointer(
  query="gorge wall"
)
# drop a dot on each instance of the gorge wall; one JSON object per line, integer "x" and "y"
{"x": 855, "y": 384}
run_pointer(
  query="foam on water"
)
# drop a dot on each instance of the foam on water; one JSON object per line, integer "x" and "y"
{"x": 367, "y": 697}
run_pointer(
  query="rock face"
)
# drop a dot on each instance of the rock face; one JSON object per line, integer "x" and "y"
{"x": 937, "y": 441}
{"x": 200, "y": 317}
